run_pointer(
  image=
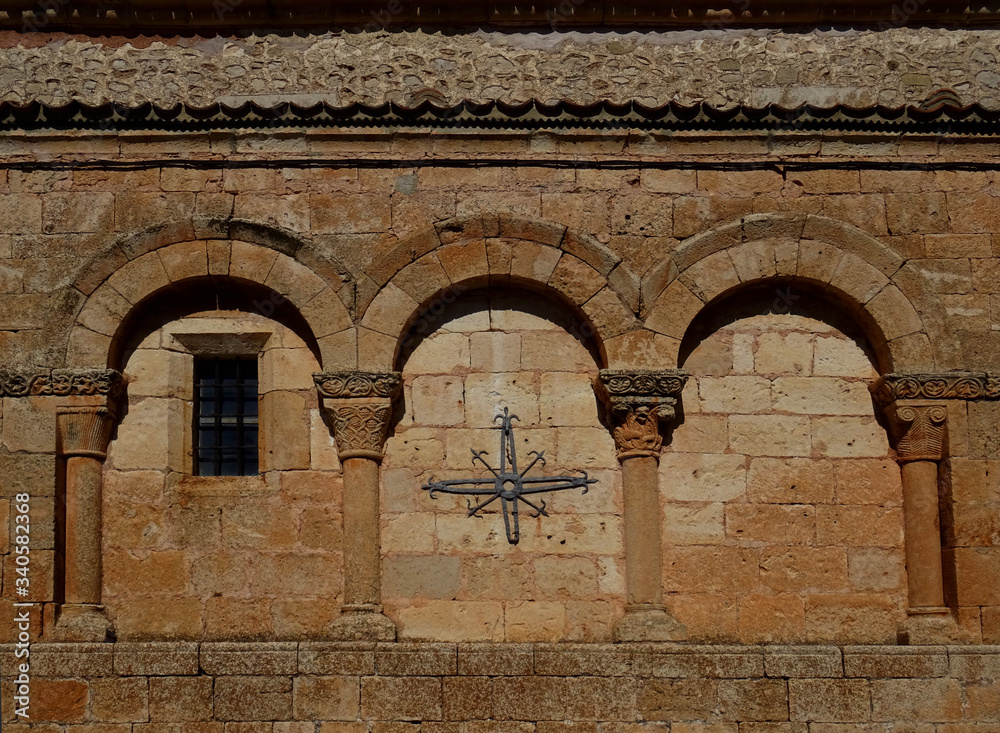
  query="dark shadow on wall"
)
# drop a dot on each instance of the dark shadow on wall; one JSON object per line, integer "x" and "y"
{"x": 203, "y": 294}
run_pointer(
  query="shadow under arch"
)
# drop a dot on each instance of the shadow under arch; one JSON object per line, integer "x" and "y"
{"x": 473, "y": 295}
{"x": 790, "y": 296}
{"x": 198, "y": 294}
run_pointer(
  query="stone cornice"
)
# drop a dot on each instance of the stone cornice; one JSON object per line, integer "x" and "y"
{"x": 60, "y": 382}
{"x": 354, "y": 384}
{"x": 941, "y": 386}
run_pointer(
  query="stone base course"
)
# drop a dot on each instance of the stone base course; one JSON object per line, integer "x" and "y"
{"x": 354, "y": 687}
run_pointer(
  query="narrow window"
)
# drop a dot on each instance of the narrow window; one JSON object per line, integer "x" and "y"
{"x": 225, "y": 417}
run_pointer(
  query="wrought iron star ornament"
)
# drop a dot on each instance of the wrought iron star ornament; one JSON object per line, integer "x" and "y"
{"x": 507, "y": 484}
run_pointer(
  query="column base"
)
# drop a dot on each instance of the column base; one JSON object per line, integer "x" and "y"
{"x": 362, "y": 622}
{"x": 928, "y": 625}
{"x": 649, "y": 622}
{"x": 81, "y": 622}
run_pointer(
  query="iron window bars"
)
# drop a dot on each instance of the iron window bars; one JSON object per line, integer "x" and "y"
{"x": 225, "y": 417}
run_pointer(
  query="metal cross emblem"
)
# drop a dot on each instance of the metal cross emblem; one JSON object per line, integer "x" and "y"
{"x": 507, "y": 484}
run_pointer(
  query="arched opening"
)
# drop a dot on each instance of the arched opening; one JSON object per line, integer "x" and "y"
{"x": 524, "y": 296}
{"x": 787, "y": 296}
{"x": 447, "y": 576}
{"x": 782, "y": 499}
{"x": 204, "y": 294}
{"x": 199, "y": 550}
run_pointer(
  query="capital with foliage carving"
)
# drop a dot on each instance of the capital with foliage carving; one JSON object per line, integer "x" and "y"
{"x": 359, "y": 405}
{"x": 638, "y": 400}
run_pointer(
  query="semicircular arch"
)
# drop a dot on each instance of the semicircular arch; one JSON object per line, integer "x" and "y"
{"x": 485, "y": 252}
{"x": 99, "y": 331}
{"x": 855, "y": 271}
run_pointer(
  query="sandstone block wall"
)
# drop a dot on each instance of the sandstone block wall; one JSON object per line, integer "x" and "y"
{"x": 769, "y": 402}
{"x": 221, "y": 557}
{"x": 355, "y": 688}
{"x": 446, "y": 576}
{"x": 782, "y": 504}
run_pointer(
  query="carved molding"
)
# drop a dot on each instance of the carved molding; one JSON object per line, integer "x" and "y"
{"x": 60, "y": 382}
{"x": 943, "y": 386}
{"x": 920, "y": 430}
{"x": 360, "y": 407}
{"x": 638, "y": 400}
{"x": 84, "y": 431}
{"x": 340, "y": 385}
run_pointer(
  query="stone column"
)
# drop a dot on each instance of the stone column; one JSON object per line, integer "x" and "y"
{"x": 919, "y": 432}
{"x": 83, "y": 437}
{"x": 359, "y": 406}
{"x": 638, "y": 401}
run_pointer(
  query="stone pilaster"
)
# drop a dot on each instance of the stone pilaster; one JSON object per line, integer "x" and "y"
{"x": 83, "y": 432}
{"x": 638, "y": 401}
{"x": 359, "y": 406}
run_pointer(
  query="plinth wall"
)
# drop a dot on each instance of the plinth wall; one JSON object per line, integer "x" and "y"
{"x": 444, "y": 688}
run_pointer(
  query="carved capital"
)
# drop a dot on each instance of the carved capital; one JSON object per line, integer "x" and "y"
{"x": 84, "y": 431}
{"x": 360, "y": 407}
{"x": 919, "y": 430}
{"x": 360, "y": 426}
{"x": 638, "y": 400}
{"x": 943, "y": 386}
{"x": 61, "y": 382}
{"x": 342, "y": 385}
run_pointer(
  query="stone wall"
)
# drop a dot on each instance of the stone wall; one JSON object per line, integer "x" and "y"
{"x": 783, "y": 516}
{"x": 902, "y": 251}
{"x": 221, "y": 557}
{"x": 448, "y": 577}
{"x": 354, "y": 688}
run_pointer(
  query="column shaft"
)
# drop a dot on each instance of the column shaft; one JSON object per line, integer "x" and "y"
{"x": 643, "y": 547}
{"x": 638, "y": 401}
{"x": 83, "y": 436}
{"x": 923, "y": 535}
{"x": 83, "y": 530}
{"x": 362, "y": 571}
{"x": 359, "y": 405}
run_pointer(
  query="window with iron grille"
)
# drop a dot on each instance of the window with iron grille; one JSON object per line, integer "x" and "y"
{"x": 225, "y": 417}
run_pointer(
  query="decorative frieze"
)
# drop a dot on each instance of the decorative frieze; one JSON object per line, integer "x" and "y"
{"x": 943, "y": 386}
{"x": 60, "y": 382}
{"x": 341, "y": 385}
{"x": 638, "y": 401}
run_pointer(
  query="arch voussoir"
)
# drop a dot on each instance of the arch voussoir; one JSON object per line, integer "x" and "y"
{"x": 859, "y": 271}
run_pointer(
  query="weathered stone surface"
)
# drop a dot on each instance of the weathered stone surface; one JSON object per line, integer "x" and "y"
{"x": 253, "y": 698}
{"x": 174, "y": 699}
{"x": 829, "y": 701}
{"x": 325, "y": 698}
{"x": 401, "y": 698}
{"x": 225, "y": 658}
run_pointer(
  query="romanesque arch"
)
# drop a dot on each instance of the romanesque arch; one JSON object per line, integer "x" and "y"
{"x": 131, "y": 270}
{"x": 858, "y": 271}
{"x": 490, "y": 250}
